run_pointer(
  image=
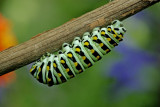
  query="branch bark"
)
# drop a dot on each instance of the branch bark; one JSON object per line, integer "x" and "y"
{"x": 50, "y": 41}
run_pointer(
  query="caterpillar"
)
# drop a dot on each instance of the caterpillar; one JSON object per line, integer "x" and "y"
{"x": 75, "y": 58}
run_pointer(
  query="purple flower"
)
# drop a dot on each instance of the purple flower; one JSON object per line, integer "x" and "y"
{"x": 128, "y": 70}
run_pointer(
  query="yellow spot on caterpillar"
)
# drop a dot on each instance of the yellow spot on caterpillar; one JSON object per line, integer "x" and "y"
{"x": 114, "y": 44}
{"x": 34, "y": 67}
{"x": 109, "y": 39}
{"x": 114, "y": 35}
{"x": 102, "y": 33}
{"x": 101, "y": 44}
{"x": 71, "y": 76}
{"x": 86, "y": 43}
{"x": 114, "y": 31}
{"x": 80, "y": 70}
{"x": 37, "y": 77}
{"x": 39, "y": 69}
{"x": 62, "y": 61}
{"x": 48, "y": 79}
{"x": 69, "y": 55}
{"x": 107, "y": 50}
{"x": 98, "y": 57}
{"x": 78, "y": 50}
{"x": 31, "y": 70}
{"x": 67, "y": 70}
{"x": 59, "y": 74}
{"x": 94, "y": 38}
{"x": 83, "y": 57}
{"x": 120, "y": 36}
{"x": 89, "y": 64}
{"x": 109, "y": 29}
{"x": 75, "y": 64}
{"x": 119, "y": 39}
{"x": 92, "y": 51}
{"x": 47, "y": 68}
{"x": 54, "y": 65}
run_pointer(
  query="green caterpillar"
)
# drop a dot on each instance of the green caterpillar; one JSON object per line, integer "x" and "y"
{"x": 75, "y": 58}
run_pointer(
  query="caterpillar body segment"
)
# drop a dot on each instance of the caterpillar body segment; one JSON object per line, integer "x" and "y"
{"x": 66, "y": 66}
{"x": 103, "y": 35}
{"x": 100, "y": 43}
{"x": 109, "y": 38}
{"x": 90, "y": 47}
{"x": 120, "y": 31}
{"x": 53, "y": 69}
{"x": 82, "y": 53}
{"x": 51, "y": 74}
{"x": 62, "y": 74}
{"x": 73, "y": 59}
{"x": 41, "y": 74}
{"x": 113, "y": 33}
{"x": 34, "y": 68}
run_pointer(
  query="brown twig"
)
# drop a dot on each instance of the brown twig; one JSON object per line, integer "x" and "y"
{"x": 29, "y": 51}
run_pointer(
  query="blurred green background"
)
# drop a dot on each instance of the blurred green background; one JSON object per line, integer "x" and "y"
{"x": 127, "y": 77}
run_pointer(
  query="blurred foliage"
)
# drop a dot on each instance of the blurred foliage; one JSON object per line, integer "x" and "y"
{"x": 97, "y": 86}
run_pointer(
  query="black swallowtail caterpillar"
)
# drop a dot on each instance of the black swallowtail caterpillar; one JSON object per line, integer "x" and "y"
{"x": 81, "y": 54}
